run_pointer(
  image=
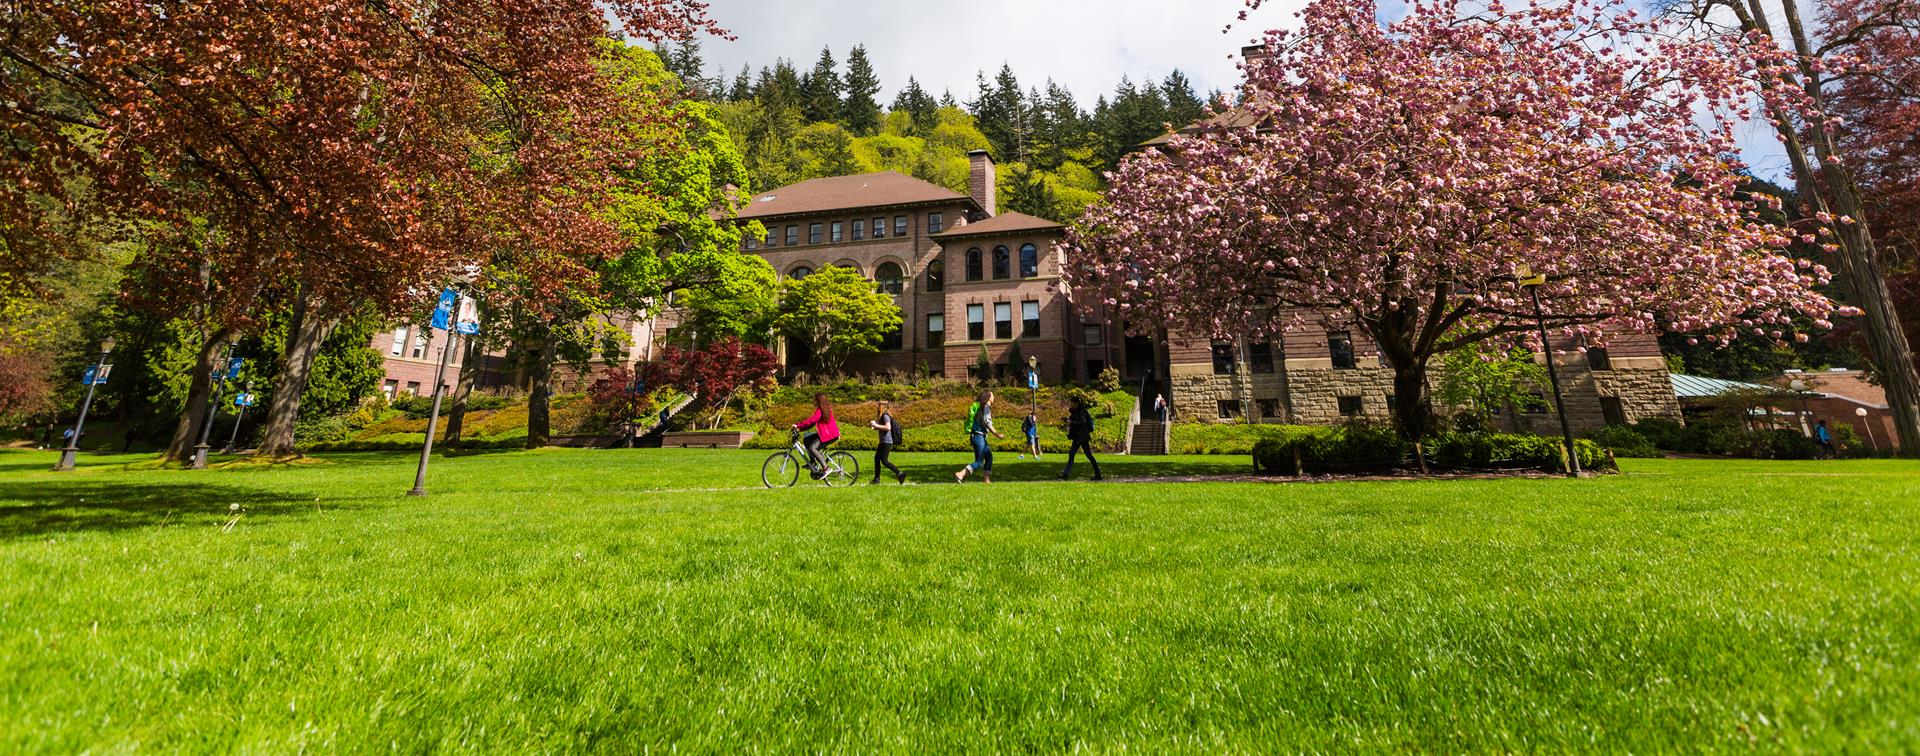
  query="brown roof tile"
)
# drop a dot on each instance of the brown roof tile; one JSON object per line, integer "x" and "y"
{"x": 1004, "y": 223}
{"x": 821, "y": 195}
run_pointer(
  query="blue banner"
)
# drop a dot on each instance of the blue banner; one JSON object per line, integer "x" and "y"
{"x": 233, "y": 367}
{"x": 243, "y": 400}
{"x": 443, "y": 311}
{"x": 90, "y": 379}
{"x": 1033, "y": 379}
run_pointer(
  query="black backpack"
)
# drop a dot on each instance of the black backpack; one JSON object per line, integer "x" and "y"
{"x": 899, "y": 435}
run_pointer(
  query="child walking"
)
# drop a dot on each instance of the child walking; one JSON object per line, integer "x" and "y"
{"x": 889, "y": 435}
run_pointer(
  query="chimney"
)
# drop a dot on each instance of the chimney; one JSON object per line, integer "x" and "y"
{"x": 980, "y": 181}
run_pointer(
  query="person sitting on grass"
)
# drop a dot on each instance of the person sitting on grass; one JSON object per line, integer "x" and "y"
{"x": 826, "y": 431}
{"x": 979, "y": 424}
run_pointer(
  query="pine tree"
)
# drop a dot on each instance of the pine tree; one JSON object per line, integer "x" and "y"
{"x": 742, "y": 86}
{"x": 917, "y": 103}
{"x": 861, "y": 112}
{"x": 822, "y": 91}
{"x": 687, "y": 64}
{"x": 1060, "y": 128}
{"x": 1184, "y": 106}
{"x": 1003, "y": 114}
{"x": 1028, "y": 192}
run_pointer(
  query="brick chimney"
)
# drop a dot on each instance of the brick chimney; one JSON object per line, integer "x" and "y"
{"x": 980, "y": 181}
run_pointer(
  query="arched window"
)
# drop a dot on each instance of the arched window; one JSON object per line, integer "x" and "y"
{"x": 1002, "y": 264}
{"x": 799, "y": 272}
{"x": 973, "y": 264}
{"x": 849, "y": 265}
{"x": 888, "y": 276}
{"x": 1029, "y": 261}
{"x": 936, "y": 275}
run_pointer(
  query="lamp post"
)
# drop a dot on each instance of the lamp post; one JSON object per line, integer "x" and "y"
{"x": 1033, "y": 385}
{"x": 216, "y": 381}
{"x": 94, "y": 379}
{"x": 1861, "y": 412}
{"x": 1533, "y": 283}
{"x": 243, "y": 401}
{"x": 1806, "y": 417}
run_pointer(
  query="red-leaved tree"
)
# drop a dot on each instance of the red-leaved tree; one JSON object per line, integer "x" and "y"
{"x": 322, "y": 155}
{"x": 724, "y": 373}
{"x": 1402, "y": 177}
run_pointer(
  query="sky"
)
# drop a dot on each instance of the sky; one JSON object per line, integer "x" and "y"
{"x": 1085, "y": 45}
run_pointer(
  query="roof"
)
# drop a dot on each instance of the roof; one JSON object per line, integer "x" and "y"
{"x": 1233, "y": 118}
{"x": 1701, "y": 387}
{"x": 820, "y": 195}
{"x": 1004, "y": 223}
{"x": 1851, "y": 385}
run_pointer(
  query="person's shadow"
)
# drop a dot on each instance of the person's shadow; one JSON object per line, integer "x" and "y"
{"x": 41, "y": 508}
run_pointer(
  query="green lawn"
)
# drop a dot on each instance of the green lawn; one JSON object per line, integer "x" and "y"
{"x": 625, "y": 600}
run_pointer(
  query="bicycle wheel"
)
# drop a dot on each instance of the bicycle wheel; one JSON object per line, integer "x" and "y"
{"x": 848, "y": 472}
{"x": 780, "y": 470}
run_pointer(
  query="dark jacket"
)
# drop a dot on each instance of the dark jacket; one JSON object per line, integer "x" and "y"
{"x": 1079, "y": 425}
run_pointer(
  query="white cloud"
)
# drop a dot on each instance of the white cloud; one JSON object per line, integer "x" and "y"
{"x": 1084, "y": 45}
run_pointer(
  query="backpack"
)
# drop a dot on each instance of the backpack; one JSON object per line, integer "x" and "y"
{"x": 973, "y": 410}
{"x": 899, "y": 437}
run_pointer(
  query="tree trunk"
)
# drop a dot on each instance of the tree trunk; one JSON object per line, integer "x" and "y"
{"x": 539, "y": 420}
{"x": 187, "y": 433}
{"x": 304, "y": 336}
{"x": 463, "y": 388}
{"x": 1412, "y": 409}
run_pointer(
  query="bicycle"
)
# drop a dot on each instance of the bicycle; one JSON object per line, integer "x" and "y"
{"x": 782, "y": 468}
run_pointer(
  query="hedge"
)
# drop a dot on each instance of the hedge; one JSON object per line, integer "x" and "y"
{"x": 1511, "y": 451}
{"x": 1355, "y": 448}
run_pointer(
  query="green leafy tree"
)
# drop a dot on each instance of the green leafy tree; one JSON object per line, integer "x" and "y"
{"x": 1485, "y": 379}
{"x": 861, "y": 112}
{"x": 838, "y": 312}
{"x": 920, "y": 106}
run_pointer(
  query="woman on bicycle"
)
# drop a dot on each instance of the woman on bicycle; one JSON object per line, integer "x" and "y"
{"x": 825, "y": 432}
{"x": 980, "y": 423}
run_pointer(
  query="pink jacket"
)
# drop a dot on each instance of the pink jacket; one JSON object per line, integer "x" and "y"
{"x": 829, "y": 430}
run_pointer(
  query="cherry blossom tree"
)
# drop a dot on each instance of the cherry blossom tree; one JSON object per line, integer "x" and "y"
{"x": 1403, "y": 178}
{"x": 322, "y": 154}
{"x": 1798, "y": 73}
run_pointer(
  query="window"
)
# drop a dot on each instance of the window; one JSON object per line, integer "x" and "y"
{"x": 879, "y": 228}
{"x": 813, "y": 233}
{"x": 1029, "y": 261}
{"x": 1003, "y": 320}
{"x": 1091, "y": 334}
{"x": 888, "y": 275}
{"x": 1261, "y": 356}
{"x": 1229, "y": 409}
{"x": 420, "y": 342}
{"x": 399, "y": 340}
{"x": 413, "y": 388}
{"x": 752, "y": 242}
{"x": 1268, "y": 408}
{"x": 1611, "y": 411}
{"x": 799, "y": 272}
{"x": 1030, "y": 320}
{"x": 976, "y": 325}
{"x": 933, "y": 223}
{"x": 793, "y": 235}
{"x": 772, "y": 239}
{"x": 973, "y": 264}
{"x": 1351, "y": 406}
{"x": 899, "y": 225}
{"x": 838, "y": 231}
{"x": 1223, "y": 362}
{"x": 936, "y": 275}
{"x": 390, "y": 387}
{"x": 859, "y": 229}
{"x": 1597, "y": 359}
{"x": 1000, "y": 263}
{"x": 1340, "y": 346}
{"x": 891, "y": 341}
{"x": 1094, "y": 367}
{"x": 936, "y": 331}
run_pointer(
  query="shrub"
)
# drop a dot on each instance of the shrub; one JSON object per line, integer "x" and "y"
{"x": 1625, "y": 441}
{"x": 1224, "y": 438}
{"x": 1108, "y": 381}
{"x": 1511, "y": 451}
{"x": 1781, "y": 443}
{"x": 1663, "y": 433}
{"x": 1357, "y": 447}
{"x": 324, "y": 429}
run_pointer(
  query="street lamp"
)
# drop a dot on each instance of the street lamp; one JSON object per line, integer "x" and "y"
{"x": 1033, "y": 385}
{"x": 1861, "y": 412}
{"x": 94, "y": 377}
{"x": 216, "y": 381}
{"x": 1806, "y": 417}
{"x": 1532, "y": 284}
{"x": 244, "y": 400}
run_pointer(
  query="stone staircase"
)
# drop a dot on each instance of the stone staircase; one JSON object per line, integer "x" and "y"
{"x": 1149, "y": 438}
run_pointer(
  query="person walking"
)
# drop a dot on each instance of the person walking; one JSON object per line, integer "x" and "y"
{"x": 1824, "y": 438}
{"x": 1080, "y": 434}
{"x": 1030, "y": 427}
{"x": 979, "y": 424}
{"x": 889, "y": 435}
{"x": 1160, "y": 407}
{"x": 825, "y": 431}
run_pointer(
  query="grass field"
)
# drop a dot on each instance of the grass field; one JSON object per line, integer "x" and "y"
{"x": 625, "y": 600}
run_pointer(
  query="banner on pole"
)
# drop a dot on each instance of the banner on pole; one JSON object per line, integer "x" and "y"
{"x": 243, "y": 400}
{"x": 233, "y": 367}
{"x": 95, "y": 376}
{"x": 443, "y": 311}
{"x": 1033, "y": 379}
{"x": 469, "y": 322}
